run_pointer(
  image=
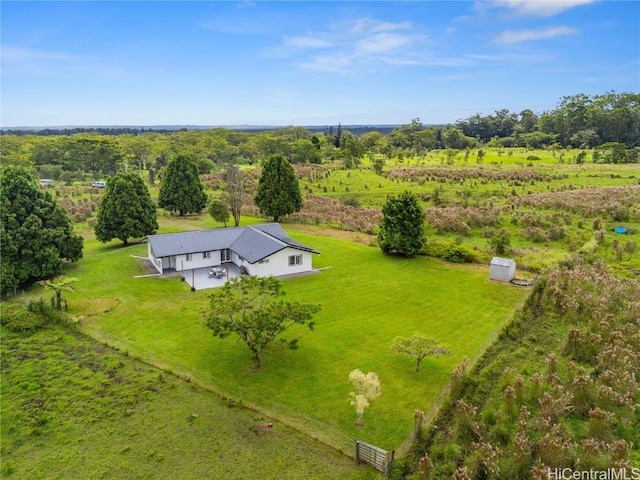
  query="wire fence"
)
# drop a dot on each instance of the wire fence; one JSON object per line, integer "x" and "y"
{"x": 286, "y": 414}
{"x": 312, "y": 427}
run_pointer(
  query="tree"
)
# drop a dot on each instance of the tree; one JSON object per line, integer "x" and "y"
{"x": 219, "y": 211}
{"x": 278, "y": 190}
{"x": 94, "y": 152}
{"x": 352, "y": 146}
{"x": 35, "y": 232}
{"x": 378, "y": 165}
{"x": 181, "y": 189}
{"x": 338, "y": 140}
{"x": 402, "y": 225}
{"x": 419, "y": 348}
{"x": 500, "y": 242}
{"x": 59, "y": 284}
{"x": 253, "y": 308}
{"x": 234, "y": 191}
{"x": 126, "y": 210}
{"x": 305, "y": 151}
{"x": 367, "y": 388}
{"x": 453, "y": 137}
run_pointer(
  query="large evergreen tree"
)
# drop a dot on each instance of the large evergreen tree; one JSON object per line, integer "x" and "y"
{"x": 181, "y": 190}
{"x": 402, "y": 225}
{"x": 126, "y": 210}
{"x": 278, "y": 189}
{"x": 35, "y": 232}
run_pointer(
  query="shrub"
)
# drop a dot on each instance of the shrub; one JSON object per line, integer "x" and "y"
{"x": 533, "y": 157}
{"x": 18, "y": 319}
{"x": 350, "y": 200}
{"x": 459, "y": 254}
{"x": 449, "y": 250}
{"x": 500, "y": 242}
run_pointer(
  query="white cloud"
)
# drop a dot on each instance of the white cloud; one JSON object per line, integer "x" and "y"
{"x": 364, "y": 41}
{"x": 20, "y": 54}
{"x": 384, "y": 42}
{"x": 308, "y": 41}
{"x": 517, "y": 36}
{"x": 368, "y": 26}
{"x": 449, "y": 78}
{"x": 57, "y": 64}
{"x": 328, "y": 63}
{"x": 531, "y": 8}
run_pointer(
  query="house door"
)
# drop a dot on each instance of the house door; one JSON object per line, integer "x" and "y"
{"x": 225, "y": 255}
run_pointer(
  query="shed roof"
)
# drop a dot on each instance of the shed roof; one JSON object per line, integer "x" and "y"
{"x": 503, "y": 262}
{"x": 252, "y": 243}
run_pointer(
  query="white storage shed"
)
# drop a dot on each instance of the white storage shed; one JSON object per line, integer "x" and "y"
{"x": 502, "y": 269}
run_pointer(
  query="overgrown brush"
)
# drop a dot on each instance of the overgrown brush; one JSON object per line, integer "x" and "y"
{"x": 577, "y": 406}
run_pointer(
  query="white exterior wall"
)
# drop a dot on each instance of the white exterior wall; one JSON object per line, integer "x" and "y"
{"x": 274, "y": 265}
{"x": 278, "y": 264}
{"x": 502, "y": 273}
{"x": 157, "y": 262}
{"x": 235, "y": 258}
{"x": 197, "y": 261}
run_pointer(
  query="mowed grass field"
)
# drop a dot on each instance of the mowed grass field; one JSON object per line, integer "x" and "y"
{"x": 367, "y": 299}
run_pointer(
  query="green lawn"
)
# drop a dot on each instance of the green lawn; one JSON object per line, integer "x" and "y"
{"x": 73, "y": 409}
{"x": 367, "y": 300}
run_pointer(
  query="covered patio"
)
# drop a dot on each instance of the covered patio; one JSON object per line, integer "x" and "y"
{"x": 200, "y": 279}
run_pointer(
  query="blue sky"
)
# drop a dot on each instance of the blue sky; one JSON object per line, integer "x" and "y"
{"x": 307, "y": 63}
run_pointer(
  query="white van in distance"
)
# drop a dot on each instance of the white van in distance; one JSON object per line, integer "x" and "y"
{"x": 100, "y": 184}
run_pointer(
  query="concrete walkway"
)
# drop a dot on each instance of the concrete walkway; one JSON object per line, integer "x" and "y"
{"x": 200, "y": 276}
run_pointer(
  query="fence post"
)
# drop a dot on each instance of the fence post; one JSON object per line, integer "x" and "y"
{"x": 389, "y": 462}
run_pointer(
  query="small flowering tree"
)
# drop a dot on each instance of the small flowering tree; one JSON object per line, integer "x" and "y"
{"x": 367, "y": 388}
{"x": 419, "y": 348}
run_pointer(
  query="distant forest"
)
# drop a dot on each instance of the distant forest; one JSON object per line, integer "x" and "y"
{"x": 607, "y": 124}
{"x": 355, "y": 129}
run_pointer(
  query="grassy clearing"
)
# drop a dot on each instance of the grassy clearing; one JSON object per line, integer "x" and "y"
{"x": 72, "y": 408}
{"x": 367, "y": 300}
{"x": 557, "y": 196}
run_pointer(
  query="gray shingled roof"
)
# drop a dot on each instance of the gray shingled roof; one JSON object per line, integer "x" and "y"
{"x": 275, "y": 230}
{"x": 252, "y": 243}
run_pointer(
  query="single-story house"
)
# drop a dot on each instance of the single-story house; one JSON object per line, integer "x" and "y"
{"x": 261, "y": 250}
{"x": 502, "y": 269}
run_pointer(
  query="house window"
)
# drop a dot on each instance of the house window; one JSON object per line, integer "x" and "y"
{"x": 225, "y": 255}
{"x": 295, "y": 260}
{"x": 206, "y": 254}
{"x": 189, "y": 257}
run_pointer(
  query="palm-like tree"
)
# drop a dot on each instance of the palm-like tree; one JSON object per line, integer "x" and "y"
{"x": 58, "y": 284}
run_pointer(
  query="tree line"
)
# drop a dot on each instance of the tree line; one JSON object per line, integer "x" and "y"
{"x": 608, "y": 123}
{"x": 37, "y": 237}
